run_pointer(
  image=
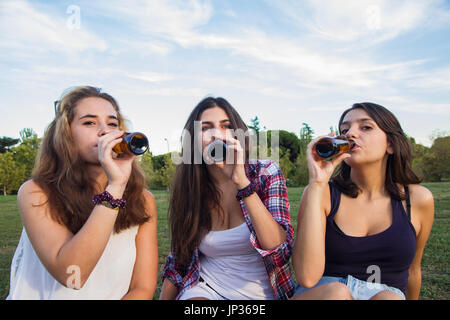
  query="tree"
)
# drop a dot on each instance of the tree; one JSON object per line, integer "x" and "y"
{"x": 438, "y": 133}
{"x": 6, "y": 143}
{"x": 288, "y": 141}
{"x": 25, "y": 154}
{"x": 27, "y": 133}
{"x": 437, "y": 161}
{"x": 286, "y": 166}
{"x": 159, "y": 170}
{"x": 146, "y": 164}
{"x": 255, "y": 124}
{"x": 301, "y": 174}
{"x": 418, "y": 153}
{"x": 306, "y": 136}
{"x": 158, "y": 162}
{"x": 167, "y": 171}
{"x": 12, "y": 175}
{"x": 256, "y": 127}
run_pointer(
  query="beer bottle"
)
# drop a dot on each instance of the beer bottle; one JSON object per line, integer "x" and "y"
{"x": 134, "y": 143}
{"x": 217, "y": 151}
{"x": 330, "y": 147}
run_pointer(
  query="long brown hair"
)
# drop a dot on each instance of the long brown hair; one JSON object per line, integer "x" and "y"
{"x": 399, "y": 170}
{"x": 60, "y": 171}
{"x": 194, "y": 193}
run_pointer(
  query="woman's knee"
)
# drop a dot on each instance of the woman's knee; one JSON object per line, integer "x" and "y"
{"x": 386, "y": 295}
{"x": 337, "y": 291}
{"x": 329, "y": 291}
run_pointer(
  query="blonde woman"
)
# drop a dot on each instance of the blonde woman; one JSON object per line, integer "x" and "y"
{"x": 75, "y": 245}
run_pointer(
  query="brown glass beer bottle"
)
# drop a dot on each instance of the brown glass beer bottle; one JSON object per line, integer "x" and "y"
{"x": 330, "y": 147}
{"x": 134, "y": 143}
{"x": 217, "y": 151}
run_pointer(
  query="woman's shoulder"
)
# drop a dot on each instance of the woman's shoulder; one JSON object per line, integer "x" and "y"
{"x": 420, "y": 196}
{"x": 30, "y": 185}
{"x": 150, "y": 202}
{"x": 32, "y": 200}
{"x": 325, "y": 191}
{"x": 30, "y": 191}
{"x": 422, "y": 209}
{"x": 148, "y": 195}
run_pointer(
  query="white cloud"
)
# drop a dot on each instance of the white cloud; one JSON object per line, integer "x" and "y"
{"x": 171, "y": 91}
{"x": 162, "y": 25}
{"x": 176, "y": 20}
{"x": 183, "y": 23}
{"x": 151, "y": 76}
{"x": 434, "y": 80}
{"x": 26, "y": 29}
{"x": 142, "y": 48}
{"x": 442, "y": 109}
{"x": 149, "y": 54}
{"x": 363, "y": 21}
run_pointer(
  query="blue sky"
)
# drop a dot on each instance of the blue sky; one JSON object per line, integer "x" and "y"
{"x": 287, "y": 62}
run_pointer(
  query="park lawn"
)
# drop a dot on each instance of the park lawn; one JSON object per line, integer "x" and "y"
{"x": 435, "y": 273}
{"x": 10, "y": 229}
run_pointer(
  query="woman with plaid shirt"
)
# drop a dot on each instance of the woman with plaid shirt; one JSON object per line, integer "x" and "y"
{"x": 231, "y": 236}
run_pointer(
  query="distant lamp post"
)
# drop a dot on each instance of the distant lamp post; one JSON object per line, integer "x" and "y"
{"x": 168, "y": 149}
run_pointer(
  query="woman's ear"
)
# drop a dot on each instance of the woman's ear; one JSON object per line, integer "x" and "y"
{"x": 390, "y": 149}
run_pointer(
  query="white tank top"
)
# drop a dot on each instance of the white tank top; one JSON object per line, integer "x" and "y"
{"x": 232, "y": 266}
{"x": 110, "y": 279}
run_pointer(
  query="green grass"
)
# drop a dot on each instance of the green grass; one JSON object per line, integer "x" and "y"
{"x": 435, "y": 273}
{"x": 10, "y": 229}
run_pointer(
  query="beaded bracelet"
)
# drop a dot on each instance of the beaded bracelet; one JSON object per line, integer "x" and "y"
{"x": 107, "y": 200}
{"x": 247, "y": 191}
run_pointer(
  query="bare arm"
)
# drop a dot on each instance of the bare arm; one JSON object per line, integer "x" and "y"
{"x": 308, "y": 257}
{"x": 422, "y": 216}
{"x": 145, "y": 272}
{"x": 269, "y": 232}
{"x": 168, "y": 290}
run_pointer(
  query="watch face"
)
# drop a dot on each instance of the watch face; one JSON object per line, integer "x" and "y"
{"x": 109, "y": 205}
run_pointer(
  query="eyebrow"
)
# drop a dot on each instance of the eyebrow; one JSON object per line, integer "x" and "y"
{"x": 94, "y": 116}
{"x": 210, "y": 122}
{"x": 359, "y": 120}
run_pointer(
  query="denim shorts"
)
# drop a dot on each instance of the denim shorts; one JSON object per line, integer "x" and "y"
{"x": 359, "y": 289}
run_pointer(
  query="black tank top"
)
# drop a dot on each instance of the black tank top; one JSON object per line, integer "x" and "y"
{"x": 390, "y": 251}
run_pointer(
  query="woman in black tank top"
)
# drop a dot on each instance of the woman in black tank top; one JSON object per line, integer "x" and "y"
{"x": 362, "y": 230}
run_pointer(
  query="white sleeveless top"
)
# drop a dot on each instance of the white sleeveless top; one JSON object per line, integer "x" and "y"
{"x": 110, "y": 279}
{"x": 232, "y": 266}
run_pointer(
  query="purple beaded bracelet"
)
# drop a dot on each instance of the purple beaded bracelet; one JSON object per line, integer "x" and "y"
{"x": 106, "y": 199}
{"x": 247, "y": 191}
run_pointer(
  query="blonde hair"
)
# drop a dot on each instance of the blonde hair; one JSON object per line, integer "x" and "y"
{"x": 59, "y": 170}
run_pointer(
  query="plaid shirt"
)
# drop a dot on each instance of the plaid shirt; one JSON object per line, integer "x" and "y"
{"x": 273, "y": 193}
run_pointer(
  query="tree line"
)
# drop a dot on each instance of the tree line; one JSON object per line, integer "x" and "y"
{"x": 17, "y": 158}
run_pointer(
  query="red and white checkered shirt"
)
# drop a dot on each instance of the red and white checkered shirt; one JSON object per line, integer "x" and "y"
{"x": 273, "y": 194}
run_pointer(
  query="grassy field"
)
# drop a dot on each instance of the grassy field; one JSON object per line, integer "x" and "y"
{"x": 435, "y": 273}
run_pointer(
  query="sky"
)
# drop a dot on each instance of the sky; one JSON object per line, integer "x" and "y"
{"x": 287, "y": 62}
